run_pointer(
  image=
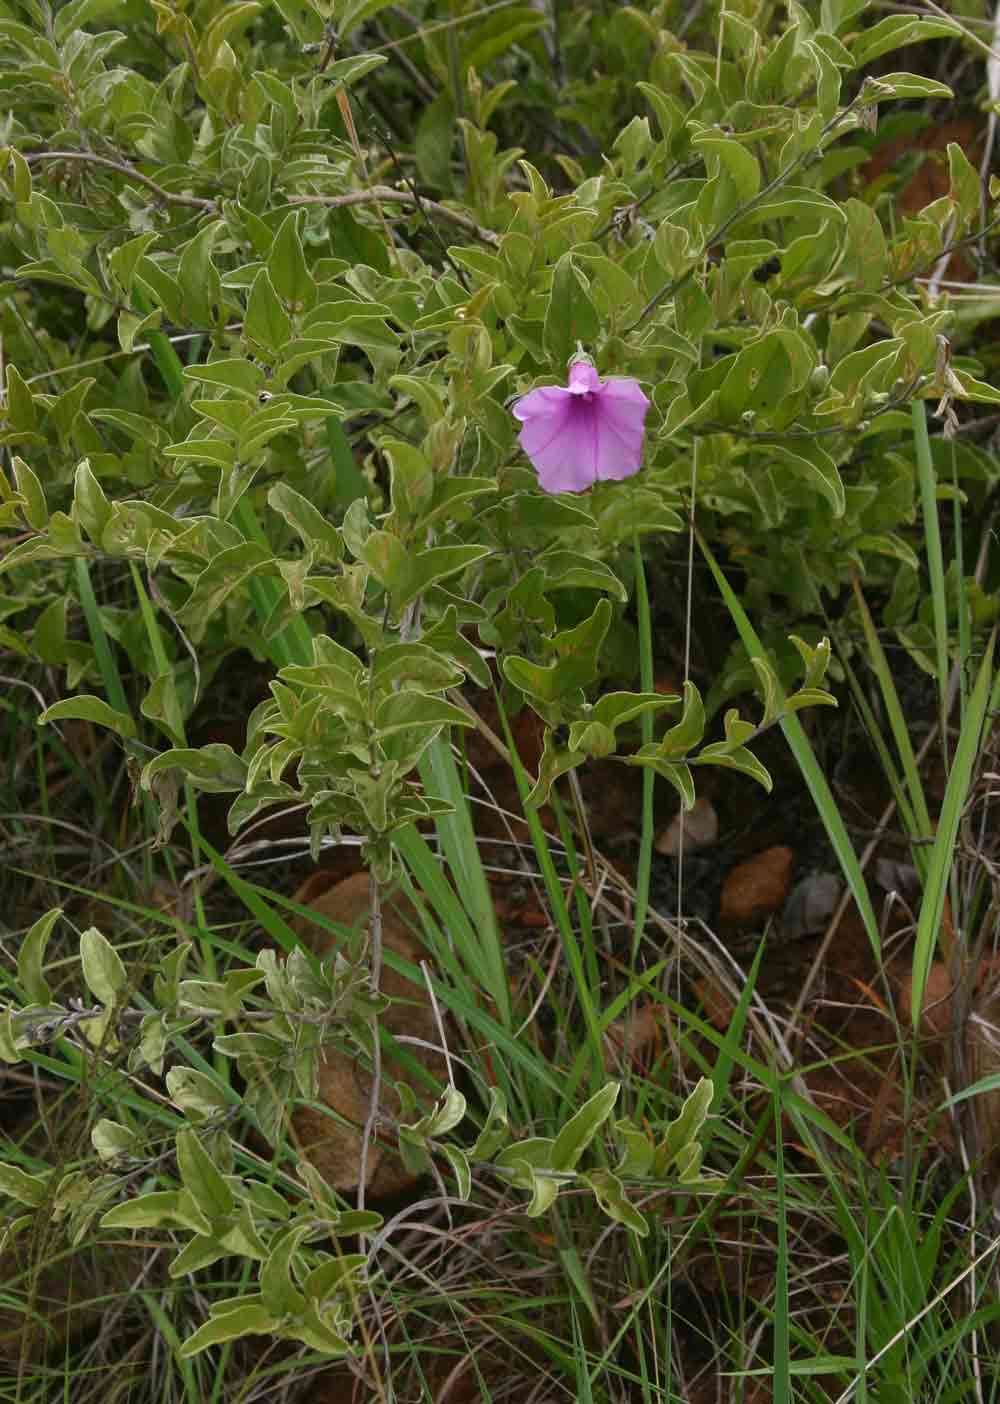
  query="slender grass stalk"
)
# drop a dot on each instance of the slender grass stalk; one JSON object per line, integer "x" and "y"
{"x": 593, "y": 1062}
{"x": 961, "y": 599}
{"x": 935, "y": 560}
{"x": 646, "y": 684}
{"x": 984, "y": 697}
{"x": 110, "y": 676}
{"x": 917, "y": 807}
{"x": 441, "y": 776}
{"x": 781, "y": 1384}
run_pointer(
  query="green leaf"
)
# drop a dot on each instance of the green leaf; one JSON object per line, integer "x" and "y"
{"x": 897, "y": 32}
{"x": 459, "y": 1163}
{"x": 678, "y": 773}
{"x": 496, "y": 1129}
{"x": 669, "y": 113}
{"x": 610, "y": 1195}
{"x": 198, "y": 277}
{"x": 682, "y": 738}
{"x": 576, "y": 653}
{"x": 102, "y": 967}
{"x": 19, "y": 1185}
{"x": 316, "y": 530}
{"x": 911, "y": 85}
{"x": 406, "y": 711}
{"x": 814, "y": 463}
{"x": 571, "y": 316}
{"x": 407, "y": 574}
{"x": 266, "y": 321}
{"x": 201, "y": 1177}
{"x": 287, "y": 267}
{"x": 581, "y": 1129}
{"x": 200, "y": 1252}
{"x": 555, "y": 760}
{"x": 564, "y": 570}
{"x": 433, "y": 141}
{"x": 111, "y": 1140}
{"x": 31, "y": 955}
{"x": 792, "y": 202}
{"x": 279, "y": 1293}
{"x": 197, "y": 1094}
{"x": 246, "y": 1316}
{"x": 736, "y": 160}
{"x": 91, "y": 507}
{"x": 965, "y": 187}
{"x": 637, "y": 1156}
{"x": 983, "y": 699}
{"x": 686, "y": 1125}
{"x": 215, "y": 767}
{"x": 36, "y": 512}
{"x": 155, "y": 1210}
{"x": 232, "y": 373}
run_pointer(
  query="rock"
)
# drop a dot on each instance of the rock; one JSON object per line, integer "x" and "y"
{"x": 345, "y": 1081}
{"x": 695, "y": 828}
{"x": 757, "y": 887}
{"x": 810, "y": 906}
{"x": 897, "y": 877}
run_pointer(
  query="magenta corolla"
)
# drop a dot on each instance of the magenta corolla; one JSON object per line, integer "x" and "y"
{"x": 588, "y": 432}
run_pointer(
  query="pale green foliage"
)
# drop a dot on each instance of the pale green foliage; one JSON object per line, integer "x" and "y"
{"x": 248, "y": 369}
{"x": 227, "y": 1214}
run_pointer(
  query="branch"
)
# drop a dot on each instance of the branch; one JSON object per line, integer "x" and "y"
{"x": 195, "y": 202}
{"x": 387, "y": 194}
{"x": 378, "y": 194}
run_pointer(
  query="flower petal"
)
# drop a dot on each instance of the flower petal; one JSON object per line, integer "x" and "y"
{"x": 560, "y": 444}
{"x": 620, "y": 415}
{"x": 548, "y": 400}
{"x": 585, "y": 433}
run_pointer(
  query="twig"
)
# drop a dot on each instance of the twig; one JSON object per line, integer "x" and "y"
{"x": 196, "y": 202}
{"x": 377, "y": 194}
{"x": 388, "y": 195}
{"x": 675, "y": 285}
{"x": 376, "y": 1090}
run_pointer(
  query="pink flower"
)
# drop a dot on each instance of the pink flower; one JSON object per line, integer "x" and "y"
{"x": 589, "y": 432}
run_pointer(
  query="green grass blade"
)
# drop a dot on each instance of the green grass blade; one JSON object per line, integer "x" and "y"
{"x": 897, "y": 722}
{"x": 935, "y": 560}
{"x": 110, "y": 675}
{"x": 943, "y": 852}
{"x": 594, "y": 1060}
{"x": 889, "y": 770}
{"x": 782, "y": 1384}
{"x": 646, "y": 684}
{"x": 809, "y": 766}
{"x": 441, "y": 777}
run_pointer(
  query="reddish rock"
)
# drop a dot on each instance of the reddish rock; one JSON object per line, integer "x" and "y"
{"x": 694, "y": 828}
{"x": 757, "y": 887}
